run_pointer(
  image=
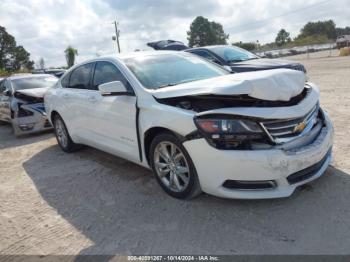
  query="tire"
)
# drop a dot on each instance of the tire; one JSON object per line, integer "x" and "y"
{"x": 175, "y": 174}
{"x": 62, "y": 136}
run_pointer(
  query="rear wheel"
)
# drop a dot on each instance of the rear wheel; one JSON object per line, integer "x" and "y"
{"x": 63, "y": 138}
{"x": 173, "y": 167}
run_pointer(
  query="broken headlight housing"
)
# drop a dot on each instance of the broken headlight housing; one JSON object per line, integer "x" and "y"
{"x": 24, "y": 112}
{"x": 226, "y": 133}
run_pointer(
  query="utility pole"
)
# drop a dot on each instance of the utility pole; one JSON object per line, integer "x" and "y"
{"x": 116, "y": 37}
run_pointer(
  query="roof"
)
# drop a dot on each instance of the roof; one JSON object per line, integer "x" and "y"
{"x": 145, "y": 53}
{"x": 207, "y": 47}
{"x": 127, "y": 56}
{"x": 123, "y": 56}
{"x": 168, "y": 45}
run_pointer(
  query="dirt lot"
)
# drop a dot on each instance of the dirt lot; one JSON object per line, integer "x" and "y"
{"x": 94, "y": 203}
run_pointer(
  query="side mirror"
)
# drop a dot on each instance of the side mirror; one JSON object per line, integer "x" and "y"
{"x": 228, "y": 68}
{"x": 115, "y": 88}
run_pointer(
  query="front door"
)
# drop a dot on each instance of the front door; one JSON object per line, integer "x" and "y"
{"x": 113, "y": 118}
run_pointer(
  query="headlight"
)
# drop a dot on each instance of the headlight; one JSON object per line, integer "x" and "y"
{"x": 229, "y": 133}
{"x": 23, "y": 112}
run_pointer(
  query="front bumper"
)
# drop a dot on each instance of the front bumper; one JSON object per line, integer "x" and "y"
{"x": 31, "y": 124}
{"x": 214, "y": 166}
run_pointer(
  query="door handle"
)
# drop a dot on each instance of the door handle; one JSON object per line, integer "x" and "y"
{"x": 65, "y": 95}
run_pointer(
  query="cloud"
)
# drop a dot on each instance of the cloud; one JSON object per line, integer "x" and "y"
{"x": 46, "y": 28}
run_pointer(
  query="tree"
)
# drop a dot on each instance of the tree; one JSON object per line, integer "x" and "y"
{"x": 250, "y": 46}
{"x": 21, "y": 59}
{"x": 203, "y": 32}
{"x": 282, "y": 37}
{"x": 326, "y": 28}
{"x": 311, "y": 40}
{"x": 42, "y": 63}
{"x": 70, "y": 55}
{"x": 7, "y": 46}
{"x": 343, "y": 31}
{"x": 12, "y": 57}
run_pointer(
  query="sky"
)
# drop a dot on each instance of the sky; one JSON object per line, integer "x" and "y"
{"x": 46, "y": 27}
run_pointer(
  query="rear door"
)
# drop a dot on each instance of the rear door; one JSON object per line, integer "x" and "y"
{"x": 113, "y": 117}
{"x": 74, "y": 95}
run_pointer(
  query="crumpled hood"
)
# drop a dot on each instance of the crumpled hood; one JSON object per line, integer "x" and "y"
{"x": 271, "y": 85}
{"x": 34, "y": 92}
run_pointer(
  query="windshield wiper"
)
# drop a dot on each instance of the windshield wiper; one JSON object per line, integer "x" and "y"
{"x": 235, "y": 60}
{"x": 179, "y": 83}
{"x": 166, "y": 85}
{"x": 241, "y": 60}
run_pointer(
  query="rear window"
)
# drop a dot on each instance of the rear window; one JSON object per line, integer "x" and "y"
{"x": 233, "y": 53}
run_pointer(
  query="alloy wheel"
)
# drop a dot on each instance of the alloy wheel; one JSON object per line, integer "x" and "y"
{"x": 61, "y": 132}
{"x": 171, "y": 166}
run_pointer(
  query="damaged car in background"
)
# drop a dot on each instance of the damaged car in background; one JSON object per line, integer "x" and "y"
{"x": 238, "y": 60}
{"x": 22, "y": 103}
{"x": 198, "y": 127}
{"x": 232, "y": 58}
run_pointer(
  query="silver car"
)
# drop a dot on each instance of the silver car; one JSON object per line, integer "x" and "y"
{"x": 22, "y": 103}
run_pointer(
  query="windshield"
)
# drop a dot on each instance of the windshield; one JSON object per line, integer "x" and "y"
{"x": 33, "y": 82}
{"x": 157, "y": 71}
{"x": 233, "y": 53}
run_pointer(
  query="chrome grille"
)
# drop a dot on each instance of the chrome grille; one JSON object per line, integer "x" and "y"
{"x": 286, "y": 128}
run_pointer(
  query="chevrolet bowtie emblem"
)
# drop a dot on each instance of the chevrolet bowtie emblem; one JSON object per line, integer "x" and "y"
{"x": 299, "y": 127}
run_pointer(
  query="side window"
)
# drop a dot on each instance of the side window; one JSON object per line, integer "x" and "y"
{"x": 206, "y": 55}
{"x": 2, "y": 86}
{"x": 7, "y": 85}
{"x": 80, "y": 77}
{"x": 65, "y": 80}
{"x": 106, "y": 72}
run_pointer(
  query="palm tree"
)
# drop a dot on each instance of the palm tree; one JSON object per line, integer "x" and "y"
{"x": 70, "y": 55}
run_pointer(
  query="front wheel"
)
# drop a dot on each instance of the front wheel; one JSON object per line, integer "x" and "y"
{"x": 173, "y": 167}
{"x": 63, "y": 138}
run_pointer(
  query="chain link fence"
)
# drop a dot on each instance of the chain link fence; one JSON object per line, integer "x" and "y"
{"x": 307, "y": 51}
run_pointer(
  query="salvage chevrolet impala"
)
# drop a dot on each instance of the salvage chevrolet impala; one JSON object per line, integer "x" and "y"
{"x": 198, "y": 127}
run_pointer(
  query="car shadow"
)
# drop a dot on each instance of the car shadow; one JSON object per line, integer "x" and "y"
{"x": 8, "y": 139}
{"x": 121, "y": 209}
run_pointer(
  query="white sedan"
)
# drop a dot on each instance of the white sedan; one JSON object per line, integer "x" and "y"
{"x": 198, "y": 127}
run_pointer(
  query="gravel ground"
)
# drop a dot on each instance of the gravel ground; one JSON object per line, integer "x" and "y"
{"x": 90, "y": 202}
